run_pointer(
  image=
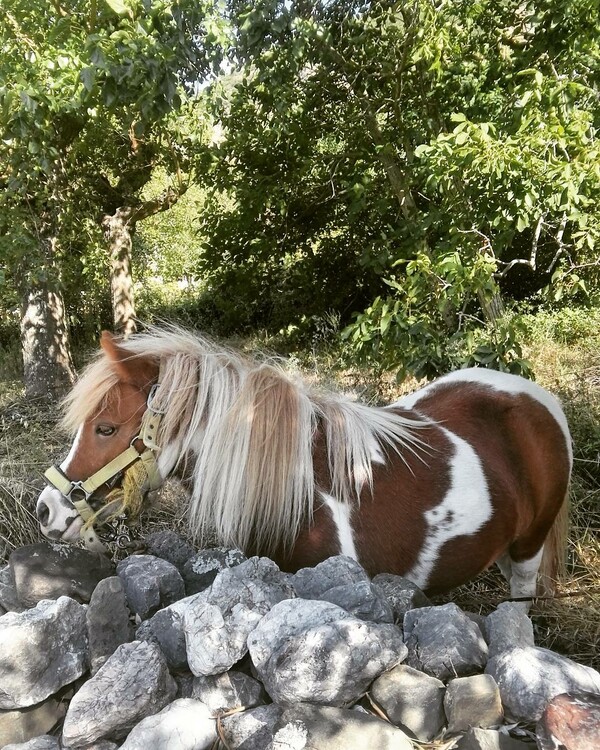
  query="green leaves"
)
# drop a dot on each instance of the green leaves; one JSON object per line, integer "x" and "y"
{"x": 95, "y": 106}
{"x": 120, "y": 7}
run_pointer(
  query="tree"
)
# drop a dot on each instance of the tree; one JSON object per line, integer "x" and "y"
{"x": 425, "y": 141}
{"x": 88, "y": 108}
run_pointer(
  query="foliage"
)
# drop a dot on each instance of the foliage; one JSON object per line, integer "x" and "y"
{"x": 568, "y": 326}
{"x": 399, "y": 166}
{"x": 94, "y": 99}
{"x": 416, "y": 159}
{"x": 166, "y": 246}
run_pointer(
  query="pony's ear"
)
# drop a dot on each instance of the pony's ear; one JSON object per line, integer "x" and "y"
{"x": 109, "y": 342}
{"x": 135, "y": 369}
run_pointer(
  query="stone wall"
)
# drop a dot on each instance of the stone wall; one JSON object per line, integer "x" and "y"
{"x": 180, "y": 650}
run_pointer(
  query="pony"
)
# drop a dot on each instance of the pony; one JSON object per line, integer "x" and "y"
{"x": 471, "y": 469}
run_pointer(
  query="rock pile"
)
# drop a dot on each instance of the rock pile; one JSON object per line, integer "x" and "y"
{"x": 180, "y": 650}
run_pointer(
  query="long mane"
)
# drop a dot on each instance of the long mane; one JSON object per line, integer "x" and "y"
{"x": 243, "y": 430}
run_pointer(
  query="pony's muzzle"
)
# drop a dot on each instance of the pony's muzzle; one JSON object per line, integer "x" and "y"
{"x": 57, "y": 516}
{"x": 42, "y": 512}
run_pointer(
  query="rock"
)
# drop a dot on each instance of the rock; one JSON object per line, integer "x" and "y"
{"x": 363, "y": 600}
{"x": 41, "y": 650}
{"x": 107, "y": 621}
{"x": 253, "y": 729}
{"x": 305, "y": 650}
{"x": 9, "y": 600}
{"x": 508, "y": 627}
{"x": 47, "y": 571}
{"x": 169, "y": 546}
{"x": 185, "y": 682}
{"x": 342, "y": 581}
{"x": 401, "y": 594}
{"x": 133, "y": 683}
{"x": 478, "y": 620}
{"x": 166, "y": 629}
{"x": 150, "y": 583}
{"x": 528, "y": 678}
{"x": 473, "y": 702}
{"x": 570, "y": 721}
{"x": 44, "y": 742}
{"x": 201, "y": 569}
{"x": 443, "y": 642}
{"x": 24, "y": 724}
{"x": 306, "y": 727}
{"x": 227, "y": 691}
{"x": 489, "y": 739}
{"x": 412, "y": 701}
{"x": 339, "y": 570}
{"x": 185, "y": 724}
{"x": 218, "y": 622}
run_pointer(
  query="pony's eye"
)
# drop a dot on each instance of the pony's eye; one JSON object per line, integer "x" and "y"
{"x": 106, "y": 430}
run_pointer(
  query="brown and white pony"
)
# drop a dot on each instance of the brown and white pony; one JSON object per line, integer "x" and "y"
{"x": 470, "y": 470}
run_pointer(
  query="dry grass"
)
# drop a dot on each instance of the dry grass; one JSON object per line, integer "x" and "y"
{"x": 30, "y": 441}
{"x": 571, "y": 624}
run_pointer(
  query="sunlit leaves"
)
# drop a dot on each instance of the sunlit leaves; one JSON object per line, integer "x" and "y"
{"x": 93, "y": 98}
{"x": 432, "y": 131}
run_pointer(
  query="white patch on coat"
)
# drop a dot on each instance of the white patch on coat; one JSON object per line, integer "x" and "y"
{"x": 500, "y": 381}
{"x": 340, "y": 514}
{"x": 63, "y": 521}
{"x": 74, "y": 448}
{"x": 504, "y": 563}
{"x": 377, "y": 454}
{"x": 466, "y": 507}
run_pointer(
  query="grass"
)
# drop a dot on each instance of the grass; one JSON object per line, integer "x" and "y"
{"x": 566, "y": 363}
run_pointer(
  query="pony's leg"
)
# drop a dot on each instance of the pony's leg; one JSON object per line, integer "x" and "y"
{"x": 523, "y": 581}
{"x": 504, "y": 563}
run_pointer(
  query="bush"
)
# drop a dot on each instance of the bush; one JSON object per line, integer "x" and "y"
{"x": 565, "y": 326}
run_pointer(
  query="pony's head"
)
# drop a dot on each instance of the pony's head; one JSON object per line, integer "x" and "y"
{"x": 110, "y": 413}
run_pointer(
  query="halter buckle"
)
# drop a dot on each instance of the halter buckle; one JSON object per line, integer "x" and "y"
{"x": 78, "y": 485}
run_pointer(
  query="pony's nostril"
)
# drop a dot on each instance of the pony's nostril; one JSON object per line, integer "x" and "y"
{"x": 43, "y": 513}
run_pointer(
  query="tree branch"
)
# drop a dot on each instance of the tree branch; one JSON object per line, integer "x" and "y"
{"x": 559, "y": 242}
{"x": 163, "y": 202}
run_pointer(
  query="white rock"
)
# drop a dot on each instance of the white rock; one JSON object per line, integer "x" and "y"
{"x": 133, "y": 683}
{"x": 41, "y": 650}
{"x": 529, "y": 677}
{"x": 185, "y": 724}
{"x": 315, "y": 651}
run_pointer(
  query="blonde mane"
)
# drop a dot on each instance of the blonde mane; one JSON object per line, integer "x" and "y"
{"x": 243, "y": 432}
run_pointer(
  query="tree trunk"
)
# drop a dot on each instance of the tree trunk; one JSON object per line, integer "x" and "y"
{"x": 387, "y": 157}
{"x": 118, "y": 231}
{"x": 119, "y": 228}
{"x": 493, "y": 307}
{"x": 48, "y": 367}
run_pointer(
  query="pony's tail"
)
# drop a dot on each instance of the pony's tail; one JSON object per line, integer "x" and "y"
{"x": 553, "y": 567}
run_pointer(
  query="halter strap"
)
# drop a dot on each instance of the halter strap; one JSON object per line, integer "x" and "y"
{"x": 148, "y": 432}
